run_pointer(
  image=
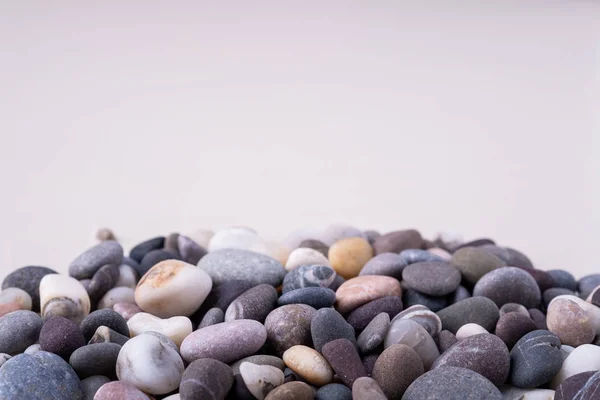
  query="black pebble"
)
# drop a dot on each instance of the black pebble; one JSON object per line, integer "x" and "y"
{"x": 28, "y": 279}
{"x": 141, "y": 249}
{"x": 104, "y": 317}
{"x": 154, "y": 257}
{"x": 95, "y": 359}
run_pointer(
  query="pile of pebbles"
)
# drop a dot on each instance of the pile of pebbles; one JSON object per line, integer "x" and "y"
{"x": 342, "y": 314}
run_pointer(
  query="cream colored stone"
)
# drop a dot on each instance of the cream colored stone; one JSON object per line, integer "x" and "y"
{"x": 584, "y": 358}
{"x": 360, "y": 290}
{"x": 568, "y": 318}
{"x": 305, "y": 256}
{"x": 260, "y": 379}
{"x": 348, "y": 256}
{"x": 175, "y": 328}
{"x": 469, "y": 330}
{"x": 117, "y": 295}
{"x": 63, "y": 296}
{"x": 309, "y": 364}
{"x": 237, "y": 238}
{"x": 16, "y": 295}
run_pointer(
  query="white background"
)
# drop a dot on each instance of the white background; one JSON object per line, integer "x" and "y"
{"x": 150, "y": 117}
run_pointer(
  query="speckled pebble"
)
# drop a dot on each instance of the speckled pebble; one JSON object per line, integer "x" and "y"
{"x": 366, "y": 388}
{"x": 535, "y": 359}
{"x": 308, "y": 276}
{"x": 91, "y": 260}
{"x": 19, "y": 330}
{"x": 288, "y": 326}
{"x": 395, "y": 242}
{"x": 326, "y": 325}
{"x": 479, "y": 310}
{"x": 563, "y": 279}
{"x": 474, "y": 262}
{"x": 567, "y": 319}
{"x": 212, "y": 317}
{"x": 118, "y": 390}
{"x": 206, "y": 378}
{"x": 374, "y": 334}
{"x": 293, "y": 391}
{"x": 333, "y": 391}
{"x": 348, "y": 256}
{"x": 342, "y": 356}
{"x": 117, "y": 295}
{"x": 28, "y": 279}
{"x": 512, "y": 327}
{"x": 360, "y": 317}
{"x": 315, "y": 245}
{"x": 396, "y": 368}
{"x": 61, "y": 336}
{"x": 255, "y": 303}
{"x": 509, "y": 285}
{"x": 104, "y": 317}
{"x": 387, "y": 264}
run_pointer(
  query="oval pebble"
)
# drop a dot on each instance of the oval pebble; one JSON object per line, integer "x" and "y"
{"x": 326, "y": 325}
{"x": 395, "y": 242}
{"x": 255, "y": 303}
{"x": 512, "y": 327}
{"x": 309, "y": 364}
{"x": 288, "y": 326}
{"x": 478, "y": 310}
{"x": 28, "y": 279}
{"x": 308, "y": 276}
{"x": 374, "y": 333}
{"x": 342, "y": 356}
{"x": 424, "y": 317}
{"x": 360, "y": 290}
{"x": 95, "y": 359}
{"x": 17, "y": 296}
{"x": 433, "y": 278}
{"x": 387, "y": 264}
{"x": 396, "y": 368}
{"x": 567, "y": 319}
{"x": 19, "y": 330}
{"x": 63, "y": 296}
{"x": 305, "y": 256}
{"x": 410, "y": 333}
{"x": 117, "y": 295}
{"x": 292, "y": 391}
{"x": 366, "y": 388}
{"x": 535, "y": 359}
{"x": 175, "y": 328}
{"x": 360, "y": 317}
{"x": 435, "y": 303}
{"x": 119, "y": 390}
{"x": 579, "y": 386}
{"x": 317, "y": 297}
{"x": 563, "y": 279}
{"x": 105, "y": 317}
{"x": 212, "y": 317}
{"x": 469, "y": 330}
{"x": 91, "y": 260}
{"x": 128, "y": 277}
{"x": 138, "y": 252}
{"x": 348, "y": 256}
{"x": 61, "y": 336}
{"x": 260, "y": 379}
{"x": 333, "y": 391}
{"x": 473, "y": 263}
{"x": 336, "y": 232}
{"x": 509, "y": 285}
{"x": 206, "y": 378}
{"x": 241, "y": 238}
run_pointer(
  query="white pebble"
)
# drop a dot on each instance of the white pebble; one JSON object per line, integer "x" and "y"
{"x": 34, "y": 348}
{"x": 175, "y": 328}
{"x": 305, "y": 256}
{"x": 260, "y": 379}
{"x": 469, "y": 330}
{"x": 127, "y": 277}
{"x": 16, "y": 295}
{"x": 117, "y": 295}
{"x": 237, "y": 238}
{"x": 64, "y": 296}
{"x": 592, "y": 311}
{"x": 584, "y": 358}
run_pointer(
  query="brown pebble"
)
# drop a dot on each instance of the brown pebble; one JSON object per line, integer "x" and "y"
{"x": 395, "y": 242}
{"x": 570, "y": 322}
{"x": 292, "y": 391}
{"x": 348, "y": 256}
{"x": 513, "y": 326}
{"x": 104, "y": 234}
{"x": 396, "y": 368}
{"x": 367, "y": 389}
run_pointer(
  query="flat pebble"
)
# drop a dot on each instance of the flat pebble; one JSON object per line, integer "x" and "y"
{"x": 19, "y": 330}
{"x": 433, "y": 278}
{"x": 315, "y": 245}
{"x": 348, "y": 256}
{"x": 28, "y": 279}
{"x": 212, "y": 317}
{"x": 309, "y": 364}
{"x": 288, "y": 326}
{"x": 584, "y": 358}
{"x": 435, "y": 303}
{"x": 260, "y": 379}
{"x": 95, "y": 359}
{"x": 512, "y": 327}
{"x": 117, "y": 295}
{"x": 91, "y": 385}
{"x": 563, "y": 279}
{"x": 255, "y": 303}
{"x": 342, "y": 356}
{"x": 412, "y": 256}
{"x": 317, "y": 297}
{"x": 360, "y": 317}
{"x": 468, "y": 330}
{"x": 580, "y": 386}
{"x": 229, "y": 264}
{"x": 41, "y": 375}
{"x": 128, "y": 276}
{"x": 308, "y": 276}
{"x": 444, "y": 340}
{"x": 374, "y": 333}
{"x": 118, "y": 390}
{"x": 175, "y": 328}
{"x": 366, "y": 388}
{"x": 588, "y": 283}
{"x": 305, "y": 256}
{"x": 61, "y": 336}
{"x": 154, "y": 257}
{"x": 63, "y": 296}
{"x": 104, "y": 317}
{"x": 479, "y": 310}
{"x": 474, "y": 262}
{"x": 126, "y": 310}
{"x": 206, "y": 378}
{"x": 138, "y": 252}
{"x": 452, "y": 383}
{"x": 395, "y": 242}
{"x": 535, "y": 359}
{"x": 396, "y": 368}
{"x": 360, "y": 290}
{"x": 91, "y": 260}
{"x": 333, "y": 391}
{"x": 326, "y": 325}
{"x": 292, "y": 391}
{"x": 513, "y": 307}
{"x": 509, "y": 285}
{"x": 567, "y": 319}
{"x": 106, "y": 335}
{"x": 485, "y": 354}
{"x": 410, "y": 333}
{"x": 387, "y": 264}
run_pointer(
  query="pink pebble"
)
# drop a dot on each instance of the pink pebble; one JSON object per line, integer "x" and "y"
{"x": 126, "y": 310}
{"x": 119, "y": 390}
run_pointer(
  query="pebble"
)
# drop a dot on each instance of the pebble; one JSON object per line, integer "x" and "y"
{"x": 175, "y": 328}
{"x": 518, "y": 259}
{"x": 485, "y": 354}
{"x": 117, "y": 295}
{"x": 229, "y": 264}
{"x": 413, "y": 256}
{"x": 475, "y": 243}
{"x": 433, "y": 278}
{"x": 535, "y": 359}
{"x": 498, "y": 251}
{"x": 410, "y": 333}
{"x": 512, "y": 327}
{"x": 538, "y": 318}
{"x": 396, "y": 368}
{"x": 206, "y": 378}
{"x": 348, "y": 256}
{"x": 565, "y": 350}
{"x": 570, "y": 322}
{"x": 584, "y": 358}
{"x": 563, "y": 279}
{"x": 513, "y": 307}
{"x": 315, "y": 245}
{"x": 542, "y": 278}
{"x": 19, "y": 330}
{"x": 288, "y": 326}
{"x": 190, "y": 251}
{"x": 95, "y": 359}
{"x": 41, "y": 375}
{"x": 435, "y": 303}
{"x": 366, "y": 388}
{"x": 342, "y": 356}
{"x": 202, "y": 237}
{"x": 118, "y": 390}
{"x": 333, "y": 391}
{"x": 61, "y": 336}
{"x": 212, "y": 317}
{"x": 154, "y": 257}
{"x": 587, "y": 284}
{"x": 441, "y": 253}
{"x": 387, "y": 264}
{"x": 336, "y": 232}
{"x": 4, "y": 358}
{"x": 308, "y": 276}
{"x": 91, "y": 260}
{"x": 34, "y": 348}
{"x": 459, "y": 294}
{"x": 305, "y": 256}
{"x": 126, "y": 310}
{"x": 579, "y": 386}
{"x": 509, "y": 285}
{"x": 293, "y": 391}
{"x": 326, "y": 325}
{"x": 395, "y": 242}
{"x": 225, "y": 342}
{"x": 468, "y": 330}
{"x": 509, "y": 392}
{"x": 360, "y": 317}
{"x": 259, "y": 359}
{"x": 452, "y": 383}
{"x": 63, "y": 296}
{"x": 444, "y": 340}
{"x": 309, "y": 364}
{"x": 103, "y": 280}
{"x": 241, "y": 238}
{"x": 104, "y": 317}
{"x": 473, "y": 263}
{"x": 374, "y": 333}
{"x": 91, "y": 385}
{"x": 360, "y": 290}
{"x": 317, "y": 297}
{"x": 138, "y": 252}
{"x": 255, "y": 303}
{"x": 17, "y": 296}
{"x": 8, "y": 308}
{"x": 106, "y": 335}
{"x": 478, "y": 310}
{"x": 260, "y": 379}
{"x": 128, "y": 277}
{"x": 424, "y": 317}
{"x": 337, "y": 282}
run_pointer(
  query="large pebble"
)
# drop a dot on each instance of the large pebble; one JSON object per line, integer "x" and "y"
{"x": 535, "y": 359}
{"x": 63, "y": 296}
{"x": 584, "y": 358}
{"x": 19, "y": 330}
{"x": 563, "y": 279}
{"x": 175, "y": 328}
{"x": 479, "y": 310}
{"x": 342, "y": 356}
{"x": 410, "y": 333}
{"x": 28, "y": 279}
{"x": 229, "y": 264}
{"x": 151, "y": 363}
{"x": 172, "y": 288}
{"x": 61, "y": 336}
{"x": 395, "y": 242}
{"x": 255, "y": 303}
{"x": 388, "y": 264}
{"x": 105, "y": 317}
{"x": 452, "y": 383}
{"x": 485, "y": 354}
{"x": 582, "y": 386}
{"x": 317, "y": 297}
{"x": 292, "y": 391}
{"x": 117, "y": 295}
{"x": 348, "y": 256}
{"x": 305, "y": 256}
{"x": 309, "y": 364}
{"x": 509, "y": 285}
{"x": 206, "y": 378}
{"x": 95, "y": 359}
{"x": 433, "y": 278}
{"x": 474, "y": 262}
{"x": 91, "y": 385}
{"x": 374, "y": 333}
{"x": 308, "y": 276}
{"x": 118, "y": 390}
{"x": 362, "y": 316}
{"x": 366, "y": 388}
{"x": 513, "y": 326}
{"x": 90, "y": 261}
{"x": 138, "y": 252}
{"x": 326, "y": 325}
{"x": 570, "y": 321}
{"x": 260, "y": 379}
{"x": 396, "y": 368}
{"x": 225, "y": 342}
{"x": 41, "y": 375}
{"x": 360, "y": 290}
{"x": 289, "y": 326}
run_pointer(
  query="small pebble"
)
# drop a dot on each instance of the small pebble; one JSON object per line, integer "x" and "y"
{"x": 106, "y": 335}
{"x": 292, "y": 391}
{"x": 513, "y": 307}
{"x": 91, "y": 260}
{"x": 444, "y": 340}
{"x": 138, "y": 252}
{"x": 175, "y": 328}
{"x": 309, "y": 364}
{"x": 28, "y": 279}
{"x": 61, "y": 336}
{"x": 104, "y": 317}
{"x": 468, "y": 330}
{"x": 369, "y": 362}
{"x": 103, "y": 280}
{"x": 308, "y": 276}
{"x": 424, "y": 317}
{"x": 535, "y": 359}
{"x": 4, "y": 358}
{"x": 126, "y": 310}
{"x": 91, "y": 385}
{"x": 95, "y": 359}
{"x": 512, "y": 327}
{"x": 587, "y": 284}
{"x": 342, "y": 356}
{"x": 119, "y": 390}
{"x": 358, "y": 291}
{"x": 336, "y": 232}
{"x": 212, "y": 317}
{"x": 117, "y": 295}
{"x": 326, "y": 325}
{"x": 509, "y": 285}
{"x": 366, "y": 388}
{"x": 395, "y": 242}
{"x": 473, "y": 263}
{"x": 387, "y": 264}
{"x": 410, "y": 333}
{"x": 255, "y": 303}
{"x": 360, "y": 317}
{"x": 317, "y": 297}
{"x": 206, "y": 378}
{"x": 127, "y": 277}
{"x": 348, "y": 256}
{"x": 104, "y": 234}
{"x": 374, "y": 334}
{"x": 413, "y": 256}
{"x": 315, "y": 245}
{"x": 63, "y": 296}
{"x": 260, "y": 379}
{"x": 396, "y": 368}
{"x": 433, "y": 278}
{"x": 288, "y": 326}
{"x": 333, "y": 391}
{"x": 155, "y": 257}
{"x": 478, "y": 310}
{"x": 19, "y": 330}
{"x": 305, "y": 256}
{"x": 584, "y": 358}
{"x": 15, "y": 295}
{"x": 190, "y": 251}
{"x": 538, "y": 318}
{"x": 441, "y": 253}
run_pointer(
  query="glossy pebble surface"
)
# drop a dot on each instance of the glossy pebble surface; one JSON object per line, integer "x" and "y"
{"x": 309, "y": 364}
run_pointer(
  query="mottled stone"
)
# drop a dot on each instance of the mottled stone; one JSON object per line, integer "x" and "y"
{"x": 512, "y": 327}
{"x": 19, "y": 330}
{"x": 175, "y": 328}
{"x": 509, "y": 285}
{"x": 309, "y": 364}
{"x": 154, "y": 257}
{"x": 41, "y": 375}
{"x": 91, "y": 260}
{"x": 260, "y": 379}
{"x": 410, "y": 333}
{"x": 138, "y": 252}
{"x": 577, "y": 387}
{"x": 292, "y": 391}
{"x": 305, "y": 256}
{"x": 366, "y": 388}
{"x": 513, "y": 307}
{"x": 117, "y": 295}
{"x": 308, "y": 276}
{"x": 106, "y": 335}
{"x": 395, "y": 242}
{"x": 348, "y": 256}
{"x": 387, "y": 264}
{"x": 570, "y": 322}
{"x": 327, "y": 325}
{"x": 206, "y": 379}
{"x": 316, "y": 297}
{"x": 535, "y": 359}
{"x": 63, "y": 296}
{"x": 118, "y": 391}
{"x": 333, "y": 391}
{"x": 212, "y": 317}
{"x": 255, "y": 303}
{"x": 424, "y": 317}
{"x": 104, "y": 317}
{"x": 61, "y": 336}
{"x": 342, "y": 356}
{"x": 435, "y": 303}
{"x": 478, "y": 310}
{"x": 360, "y": 317}
{"x": 289, "y": 326}
{"x": 584, "y": 358}
{"x": 374, "y": 333}
{"x": 444, "y": 340}
{"x": 126, "y": 310}
{"x": 358, "y": 291}
{"x": 468, "y": 330}
{"x": 474, "y": 262}
{"x": 563, "y": 279}
{"x": 91, "y": 385}
{"x": 396, "y": 368}
{"x": 433, "y": 278}
{"x": 452, "y": 383}
{"x": 95, "y": 359}
{"x": 103, "y": 280}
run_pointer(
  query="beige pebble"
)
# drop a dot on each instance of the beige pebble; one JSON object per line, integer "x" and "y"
{"x": 175, "y": 328}
{"x": 469, "y": 330}
{"x": 570, "y": 322}
{"x": 440, "y": 253}
{"x": 360, "y": 290}
{"x": 584, "y": 358}
{"x": 64, "y": 296}
{"x": 16, "y": 295}
{"x": 305, "y": 256}
{"x": 348, "y": 256}
{"x": 309, "y": 364}
{"x": 237, "y": 238}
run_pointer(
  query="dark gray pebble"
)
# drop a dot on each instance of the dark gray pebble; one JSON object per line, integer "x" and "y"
{"x": 535, "y": 359}
{"x": 190, "y": 251}
{"x": 513, "y": 326}
{"x": 152, "y": 258}
{"x": 478, "y": 310}
{"x": 387, "y": 264}
{"x": 171, "y": 244}
{"x": 542, "y": 278}
{"x": 40, "y": 375}
{"x": 360, "y": 317}
{"x": 369, "y": 362}
{"x": 452, "y": 383}
{"x": 103, "y": 280}
{"x": 374, "y": 334}
{"x": 371, "y": 235}
{"x": 315, "y": 245}
{"x": 91, "y": 385}
{"x": 411, "y": 297}
{"x": 220, "y": 296}
{"x": 475, "y": 262}
{"x": 342, "y": 356}
{"x": 509, "y": 285}
{"x": 106, "y": 335}
{"x": 104, "y": 317}
{"x": 206, "y": 379}
{"x": 138, "y": 252}
{"x": 61, "y": 336}
{"x": 551, "y": 293}
{"x": 334, "y": 391}
{"x": 289, "y": 326}
{"x": 213, "y": 316}
{"x": 475, "y": 243}
{"x": 326, "y": 325}
{"x": 308, "y": 276}
{"x": 412, "y": 256}
{"x": 316, "y": 297}
{"x": 538, "y": 317}
{"x": 255, "y": 303}
{"x": 95, "y": 359}
{"x": 337, "y": 282}
{"x": 498, "y": 251}
{"x": 28, "y": 279}
{"x": 433, "y": 278}
{"x": 459, "y": 294}
{"x": 563, "y": 279}
{"x": 19, "y": 330}
{"x": 444, "y": 340}
{"x": 518, "y": 259}
{"x": 395, "y": 242}
{"x": 587, "y": 284}
{"x": 577, "y": 385}
{"x": 91, "y": 260}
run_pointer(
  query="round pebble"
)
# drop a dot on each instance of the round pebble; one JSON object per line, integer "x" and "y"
{"x": 260, "y": 379}
{"x": 366, "y": 388}
{"x": 387, "y": 264}
{"x": 535, "y": 359}
{"x": 396, "y": 368}
{"x": 433, "y": 278}
{"x": 292, "y": 391}
{"x": 95, "y": 359}
{"x": 28, "y": 279}
{"x": 19, "y": 330}
{"x": 34, "y": 348}
{"x": 473, "y": 263}
{"x": 117, "y": 295}
{"x": 342, "y": 356}
{"x": 63, "y": 296}
{"x": 288, "y": 326}
{"x": 212, "y": 317}
{"x": 410, "y": 333}
{"x": 308, "y": 276}
{"x": 91, "y": 385}
{"x": 206, "y": 378}
{"x": 119, "y": 390}
{"x": 255, "y": 303}
{"x": 126, "y": 310}
{"x": 333, "y": 391}
{"x": 61, "y": 336}
{"x": 513, "y": 307}
{"x": 105, "y": 317}
{"x": 374, "y": 333}
{"x": 563, "y": 279}
{"x": 309, "y": 364}
{"x": 570, "y": 322}
{"x": 478, "y": 310}
{"x": 361, "y": 316}
{"x": 326, "y": 325}
{"x": 509, "y": 285}
{"x": 175, "y": 328}
{"x": 348, "y": 256}
{"x": 360, "y": 290}
{"x": 316, "y": 297}
{"x": 305, "y": 256}
{"x": 138, "y": 252}
{"x": 395, "y": 242}
{"x": 512, "y": 327}
{"x": 584, "y": 358}
{"x": 91, "y": 260}
{"x": 468, "y": 330}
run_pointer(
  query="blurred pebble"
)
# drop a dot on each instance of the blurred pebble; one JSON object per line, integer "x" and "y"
{"x": 175, "y": 328}
{"x": 360, "y": 317}
{"x": 348, "y": 256}
{"x": 315, "y": 245}
{"x": 138, "y": 252}
{"x": 396, "y": 368}
{"x": 563, "y": 279}
{"x": 336, "y": 232}
{"x": 255, "y": 303}
{"x": 360, "y": 290}
{"x": 412, "y": 297}
{"x": 388, "y": 264}
{"x": 119, "y": 390}
{"x": 28, "y": 279}
{"x": 366, "y": 388}
{"x": 513, "y": 307}
{"x": 468, "y": 330}
{"x": 473, "y": 263}
{"x": 343, "y": 357}
{"x": 236, "y": 238}
{"x": 127, "y": 276}
{"x": 305, "y": 256}
{"x": 117, "y": 295}
{"x": 584, "y": 358}
{"x": 17, "y": 296}
{"x": 395, "y": 242}
{"x": 126, "y": 310}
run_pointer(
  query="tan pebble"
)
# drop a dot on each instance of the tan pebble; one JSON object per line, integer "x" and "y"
{"x": 309, "y": 364}
{"x": 570, "y": 322}
{"x": 360, "y": 290}
{"x": 440, "y": 253}
{"x": 305, "y": 256}
{"x": 348, "y": 256}
{"x": 105, "y": 234}
{"x": 16, "y": 295}
{"x": 294, "y": 390}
